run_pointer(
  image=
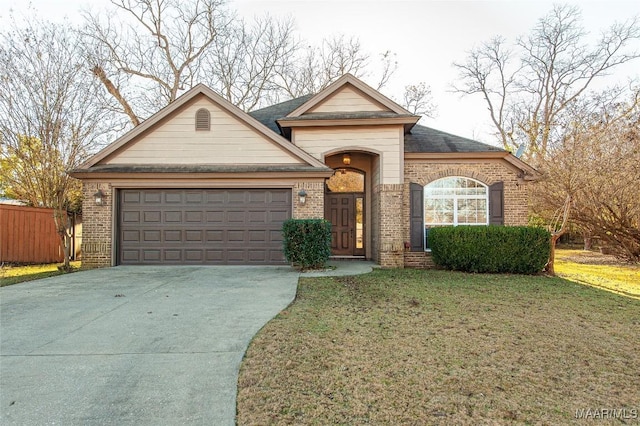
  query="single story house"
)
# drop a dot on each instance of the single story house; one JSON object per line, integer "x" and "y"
{"x": 203, "y": 182}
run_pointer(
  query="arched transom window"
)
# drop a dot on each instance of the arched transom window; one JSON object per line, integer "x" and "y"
{"x": 455, "y": 201}
{"x": 345, "y": 180}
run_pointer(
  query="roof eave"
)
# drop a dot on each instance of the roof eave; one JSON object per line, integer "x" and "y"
{"x": 181, "y": 101}
{"x": 530, "y": 173}
{"x": 348, "y": 79}
{"x": 88, "y": 175}
{"x": 406, "y": 121}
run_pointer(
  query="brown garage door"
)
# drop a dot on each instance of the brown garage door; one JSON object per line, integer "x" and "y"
{"x": 202, "y": 226}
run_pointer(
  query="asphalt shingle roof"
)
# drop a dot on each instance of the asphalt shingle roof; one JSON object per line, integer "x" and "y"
{"x": 419, "y": 139}
{"x": 270, "y": 114}
{"x": 426, "y": 139}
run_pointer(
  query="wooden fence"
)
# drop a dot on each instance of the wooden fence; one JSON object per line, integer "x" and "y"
{"x": 28, "y": 235}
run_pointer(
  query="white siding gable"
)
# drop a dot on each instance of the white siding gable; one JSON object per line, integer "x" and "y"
{"x": 386, "y": 140}
{"x": 176, "y": 141}
{"x": 348, "y": 99}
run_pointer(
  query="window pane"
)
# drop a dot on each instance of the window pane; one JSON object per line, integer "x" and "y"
{"x": 482, "y": 210}
{"x": 359, "y": 222}
{"x": 472, "y": 211}
{"x": 465, "y": 197}
{"x": 344, "y": 180}
{"x": 438, "y": 210}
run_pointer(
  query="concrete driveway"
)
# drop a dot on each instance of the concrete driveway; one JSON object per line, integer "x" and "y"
{"x": 133, "y": 345}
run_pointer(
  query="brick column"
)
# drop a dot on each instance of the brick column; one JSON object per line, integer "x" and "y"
{"x": 96, "y": 227}
{"x": 390, "y": 227}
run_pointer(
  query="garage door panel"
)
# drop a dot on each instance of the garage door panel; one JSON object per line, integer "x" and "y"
{"x": 132, "y": 197}
{"x": 258, "y": 255}
{"x": 194, "y": 197}
{"x": 172, "y": 236}
{"x": 151, "y": 255}
{"x": 238, "y": 197}
{"x": 275, "y": 236}
{"x": 235, "y": 236}
{"x": 131, "y": 236}
{"x": 202, "y": 226}
{"x": 173, "y": 216}
{"x": 152, "y": 216}
{"x": 257, "y": 236}
{"x": 278, "y": 216}
{"x": 193, "y": 255}
{"x": 258, "y": 197}
{"x": 130, "y": 255}
{"x": 131, "y": 217}
{"x": 193, "y": 216}
{"x": 215, "y": 216}
{"x": 257, "y": 217}
{"x": 214, "y": 256}
{"x": 152, "y": 197}
{"x": 194, "y": 236}
{"x": 152, "y": 236}
{"x": 215, "y": 236}
{"x": 236, "y": 216}
{"x": 173, "y": 197}
{"x": 173, "y": 255}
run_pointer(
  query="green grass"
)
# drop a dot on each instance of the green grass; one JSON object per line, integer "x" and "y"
{"x": 10, "y": 275}
{"x": 437, "y": 347}
{"x": 597, "y": 270}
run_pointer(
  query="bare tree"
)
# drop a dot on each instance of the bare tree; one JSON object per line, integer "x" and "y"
{"x": 146, "y": 52}
{"x": 596, "y": 165}
{"x": 418, "y": 100}
{"x": 153, "y": 50}
{"x": 315, "y": 67}
{"x": 246, "y": 60}
{"x": 486, "y": 72}
{"x": 525, "y": 98}
{"x": 48, "y": 119}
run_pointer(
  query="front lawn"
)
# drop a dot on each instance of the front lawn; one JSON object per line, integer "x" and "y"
{"x": 437, "y": 347}
{"x": 17, "y": 274}
{"x": 598, "y": 270}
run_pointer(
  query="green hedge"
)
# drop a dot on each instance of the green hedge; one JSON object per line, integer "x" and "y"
{"x": 498, "y": 249}
{"x": 307, "y": 242}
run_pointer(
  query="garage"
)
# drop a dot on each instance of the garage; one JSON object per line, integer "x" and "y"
{"x": 201, "y": 226}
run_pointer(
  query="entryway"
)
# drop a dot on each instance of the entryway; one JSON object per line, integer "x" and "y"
{"x": 345, "y": 209}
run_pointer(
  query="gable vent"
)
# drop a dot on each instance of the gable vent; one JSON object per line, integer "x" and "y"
{"x": 203, "y": 119}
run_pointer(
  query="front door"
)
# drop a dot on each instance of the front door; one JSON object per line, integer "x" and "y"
{"x": 346, "y": 214}
{"x": 344, "y": 208}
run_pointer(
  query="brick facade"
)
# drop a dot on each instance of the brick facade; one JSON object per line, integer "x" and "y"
{"x": 390, "y": 242}
{"x": 96, "y": 226}
{"x": 314, "y": 206}
{"x": 487, "y": 172}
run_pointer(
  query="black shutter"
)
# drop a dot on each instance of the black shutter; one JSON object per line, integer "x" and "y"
{"x": 416, "y": 217}
{"x": 496, "y": 204}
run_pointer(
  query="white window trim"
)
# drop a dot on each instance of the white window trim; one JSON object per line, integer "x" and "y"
{"x": 455, "y": 198}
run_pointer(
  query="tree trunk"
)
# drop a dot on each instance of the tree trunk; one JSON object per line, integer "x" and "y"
{"x": 556, "y": 233}
{"x": 99, "y": 72}
{"x": 65, "y": 244}
{"x": 550, "y": 268}
{"x": 61, "y": 220}
{"x": 588, "y": 240}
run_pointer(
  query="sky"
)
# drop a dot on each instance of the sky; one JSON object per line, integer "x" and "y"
{"x": 426, "y": 37}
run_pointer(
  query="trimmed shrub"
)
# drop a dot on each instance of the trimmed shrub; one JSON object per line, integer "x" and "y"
{"x": 307, "y": 242}
{"x": 497, "y": 249}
